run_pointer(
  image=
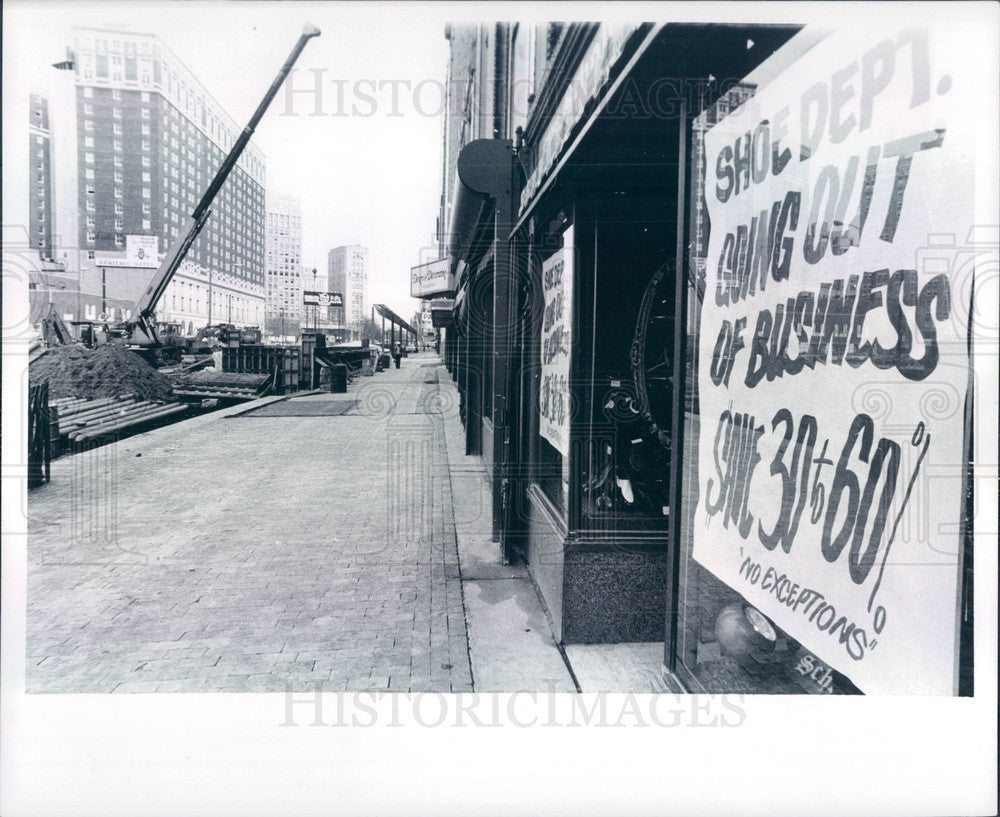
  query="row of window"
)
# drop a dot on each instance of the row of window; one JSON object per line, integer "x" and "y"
{"x": 116, "y": 94}
{"x": 176, "y": 125}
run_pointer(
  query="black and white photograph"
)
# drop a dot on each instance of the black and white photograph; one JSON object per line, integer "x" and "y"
{"x": 456, "y": 408}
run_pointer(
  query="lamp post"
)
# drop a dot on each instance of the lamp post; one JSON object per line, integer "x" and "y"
{"x": 315, "y": 309}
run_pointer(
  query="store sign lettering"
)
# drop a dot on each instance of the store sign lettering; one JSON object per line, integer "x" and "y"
{"x": 553, "y": 395}
{"x": 833, "y": 365}
{"x": 432, "y": 278}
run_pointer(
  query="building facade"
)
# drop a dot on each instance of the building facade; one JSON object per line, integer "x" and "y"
{"x": 40, "y": 213}
{"x": 622, "y": 227}
{"x": 347, "y": 273}
{"x": 146, "y": 139}
{"x": 423, "y": 322}
{"x": 283, "y": 264}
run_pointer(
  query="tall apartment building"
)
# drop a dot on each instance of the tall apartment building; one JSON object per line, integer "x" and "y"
{"x": 40, "y": 179}
{"x": 347, "y": 273}
{"x": 148, "y": 139}
{"x": 283, "y": 264}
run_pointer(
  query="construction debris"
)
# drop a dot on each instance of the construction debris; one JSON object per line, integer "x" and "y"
{"x": 107, "y": 371}
{"x": 222, "y": 385}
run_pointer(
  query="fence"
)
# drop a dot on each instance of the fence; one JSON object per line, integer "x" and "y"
{"x": 284, "y": 362}
{"x": 39, "y": 435}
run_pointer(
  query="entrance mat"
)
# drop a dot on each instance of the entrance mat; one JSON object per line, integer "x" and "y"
{"x": 303, "y": 408}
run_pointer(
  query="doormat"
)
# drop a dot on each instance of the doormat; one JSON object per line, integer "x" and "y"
{"x": 303, "y": 408}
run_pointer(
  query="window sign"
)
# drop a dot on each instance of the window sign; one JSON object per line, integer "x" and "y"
{"x": 557, "y": 323}
{"x": 833, "y": 357}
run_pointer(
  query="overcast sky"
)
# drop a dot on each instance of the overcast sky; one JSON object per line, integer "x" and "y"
{"x": 370, "y": 176}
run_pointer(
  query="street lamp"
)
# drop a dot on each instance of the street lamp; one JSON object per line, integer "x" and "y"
{"x": 315, "y": 309}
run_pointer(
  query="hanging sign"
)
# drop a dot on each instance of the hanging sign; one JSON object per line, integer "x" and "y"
{"x": 833, "y": 362}
{"x": 557, "y": 328}
{"x": 432, "y": 279}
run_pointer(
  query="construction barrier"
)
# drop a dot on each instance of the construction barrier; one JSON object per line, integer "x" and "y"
{"x": 285, "y": 363}
{"x": 338, "y": 378}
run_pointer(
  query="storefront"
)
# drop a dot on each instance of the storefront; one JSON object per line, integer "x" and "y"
{"x": 664, "y": 359}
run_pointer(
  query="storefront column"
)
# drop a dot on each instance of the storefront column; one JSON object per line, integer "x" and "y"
{"x": 501, "y": 349}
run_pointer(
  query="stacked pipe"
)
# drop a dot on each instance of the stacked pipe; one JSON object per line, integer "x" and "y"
{"x": 81, "y": 420}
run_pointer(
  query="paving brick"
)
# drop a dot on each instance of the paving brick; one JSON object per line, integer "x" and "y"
{"x": 273, "y": 577}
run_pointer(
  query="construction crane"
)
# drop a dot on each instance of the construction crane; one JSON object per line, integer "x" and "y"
{"x": 139, "y": 332}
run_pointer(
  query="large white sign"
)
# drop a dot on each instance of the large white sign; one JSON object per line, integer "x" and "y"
{"x": 317, "y": 298}
{"x": 832, "y": 358}
{"x": 140, "y": 251}
{"x": 557, "y": 327}
{"x": 432, "y": 278}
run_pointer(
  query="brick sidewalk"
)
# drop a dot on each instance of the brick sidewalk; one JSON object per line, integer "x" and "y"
{"x": 247, "y": 553}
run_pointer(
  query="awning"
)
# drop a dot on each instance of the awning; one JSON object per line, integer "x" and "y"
{"x": 484, "y": 171}
{"x": 442, "y": 312}
{"x": 393, "y": 318}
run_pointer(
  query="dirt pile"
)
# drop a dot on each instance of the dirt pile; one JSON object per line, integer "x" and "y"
{"x": 107, "y": 371}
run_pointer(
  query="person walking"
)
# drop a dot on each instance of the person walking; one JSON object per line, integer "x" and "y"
{"x": 397, "y": 353}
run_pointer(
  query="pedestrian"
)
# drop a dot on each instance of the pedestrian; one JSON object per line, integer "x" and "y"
{"x": 397, "y": 353}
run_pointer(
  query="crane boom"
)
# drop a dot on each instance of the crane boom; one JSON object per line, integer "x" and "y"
{"x": 141, "y": 330}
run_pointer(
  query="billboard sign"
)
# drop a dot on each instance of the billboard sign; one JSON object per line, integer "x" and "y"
{"x": 314, "y": 298}
{"x": 141, "y": 251}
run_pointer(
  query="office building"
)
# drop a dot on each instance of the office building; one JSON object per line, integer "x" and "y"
{"x": 597, "y": 178}
{"x": 347, "y": 273}
{"x": 40, "y": 190}
{"x": 146, "y": 139}
{"x": 283, "y": 264}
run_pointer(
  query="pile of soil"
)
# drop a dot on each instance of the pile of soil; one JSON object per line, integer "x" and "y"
{"x": 110, "y": 370}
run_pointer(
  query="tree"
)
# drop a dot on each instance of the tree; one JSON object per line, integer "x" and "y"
{"x": 371, "y": 330}
{"x": 277, "y": 325}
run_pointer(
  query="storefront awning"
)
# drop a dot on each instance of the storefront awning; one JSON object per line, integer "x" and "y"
{"x": 393, "y": 318}
{"x": 484, "y": 171}
{"x": 442, "y": 312}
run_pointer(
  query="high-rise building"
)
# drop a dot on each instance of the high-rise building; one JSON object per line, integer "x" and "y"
{"x": 40, "y": 179}
{"x": 283, "y": 264}
{"x": 347, "y": 273}
{"x": 148, "y": 141}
